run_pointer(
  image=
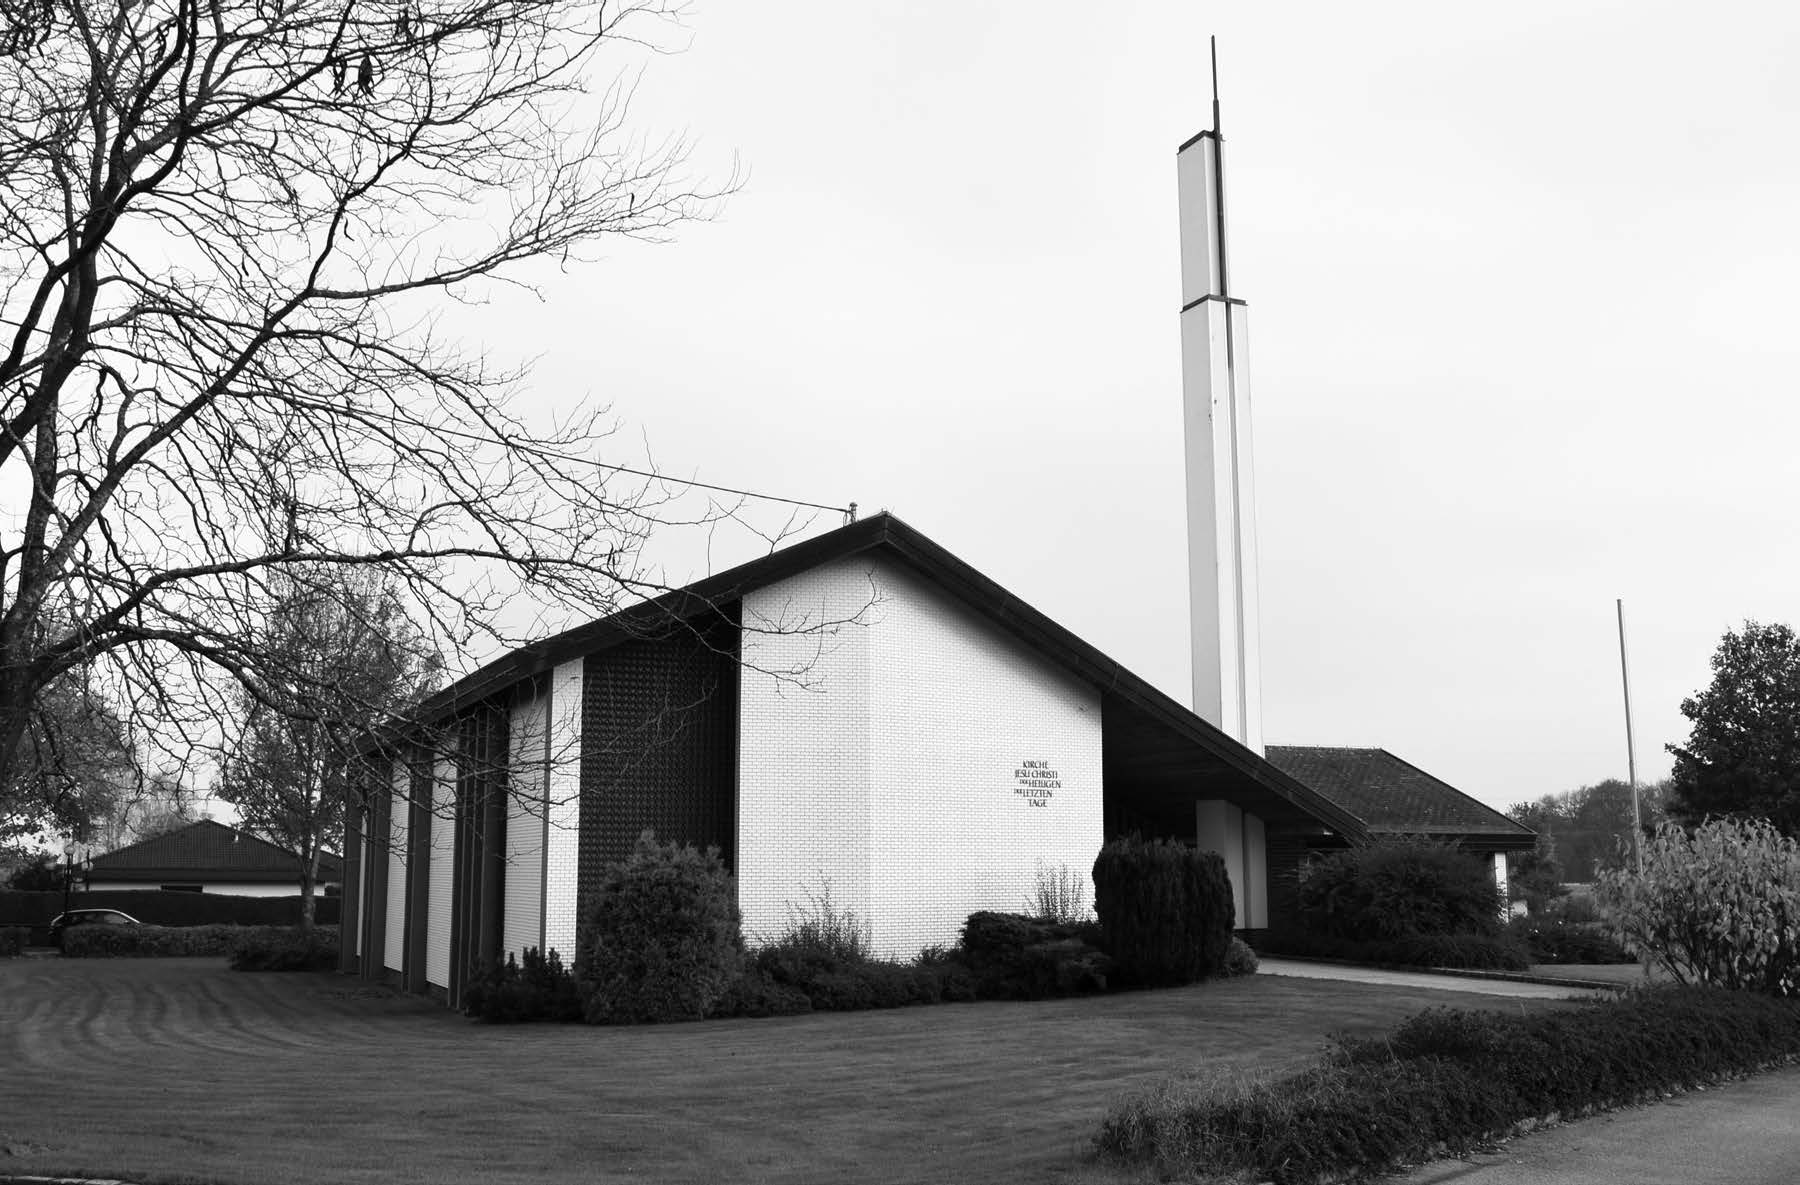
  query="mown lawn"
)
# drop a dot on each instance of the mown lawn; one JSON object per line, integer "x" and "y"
{"x": 183, "y": 1071}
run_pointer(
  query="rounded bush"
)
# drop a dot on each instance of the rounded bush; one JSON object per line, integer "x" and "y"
{"x": 663, "y": 940}
{"x": 1165, "y": 911}
{"x": 1400, "y": 889}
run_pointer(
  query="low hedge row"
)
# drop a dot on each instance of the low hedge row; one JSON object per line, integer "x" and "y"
{"x": 154, "y": 907}
{"x": 13, "y": 940}
{"x": 1555, "y": 941}
{"x": 177, "y": 942}
{"x": 1448, "y": 1079}
{"x": 1460, "y": 951}
{"x": 281, "y": 948}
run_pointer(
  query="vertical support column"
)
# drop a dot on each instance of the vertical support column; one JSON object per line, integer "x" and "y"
{"x": 350, "y": 917}
{"x": 1241, "y": 839}
{"x": 1256, "y": 874}
{"x": 1502, "y": 885}
{"x": 380, "y": 798}
{"x": 489, "y": 940}
{"x": 418, "y": 868}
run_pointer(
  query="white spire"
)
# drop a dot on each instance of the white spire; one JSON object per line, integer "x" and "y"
{"x": 1215, "y": 340}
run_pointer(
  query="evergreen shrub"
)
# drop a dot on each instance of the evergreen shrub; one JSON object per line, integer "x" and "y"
{"x": 1239, "y": 960}
{"x": 1719, "y": 905}
{"x": 1448, "y": 1080}
{"x": 662, "y": 939}
{"x": 1011, "y": 956}
{"x": 12, "y": 941}
{"x": 1396, "y": 888}
{"x": 1165, "y": 911}
{"x": 537, "y": 988}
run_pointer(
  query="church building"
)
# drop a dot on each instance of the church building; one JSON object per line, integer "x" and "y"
{"x": 866, "y": 716}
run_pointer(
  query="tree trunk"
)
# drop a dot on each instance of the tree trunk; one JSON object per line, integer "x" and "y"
{"x": 309, "y": 884}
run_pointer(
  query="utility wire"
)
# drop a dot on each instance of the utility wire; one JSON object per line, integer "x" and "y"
{"x": 849, "y": 510}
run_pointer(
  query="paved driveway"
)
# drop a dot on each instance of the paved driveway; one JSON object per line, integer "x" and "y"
{"x": 1416, "y": 980}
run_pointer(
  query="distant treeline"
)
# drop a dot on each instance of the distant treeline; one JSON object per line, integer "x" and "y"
{"x": 1586, "y": 826}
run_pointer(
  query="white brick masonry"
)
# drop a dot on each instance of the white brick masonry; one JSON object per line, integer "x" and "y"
{"x": 443, "y": 869}
{"x": 803, "y": 747}
{"x": 524, "y": 921}
{"x": 394, "y": 955}
{"x": 916, "y": 757}
{"x": 562, "y": 832}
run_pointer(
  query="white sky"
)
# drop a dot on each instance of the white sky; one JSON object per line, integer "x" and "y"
{"x": 1522, "y": 307}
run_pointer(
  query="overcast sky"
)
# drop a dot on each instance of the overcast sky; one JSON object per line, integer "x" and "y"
{"x": 1522, "y": 300}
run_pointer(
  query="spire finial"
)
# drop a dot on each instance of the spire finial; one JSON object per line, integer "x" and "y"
{"x": 1214, "y": 42}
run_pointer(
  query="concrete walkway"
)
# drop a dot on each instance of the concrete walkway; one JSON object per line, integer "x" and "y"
{"x": 1742, "y": 1133}
{"x": 1510, "y": 988}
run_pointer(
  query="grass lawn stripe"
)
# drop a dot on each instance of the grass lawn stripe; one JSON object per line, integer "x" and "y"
{"x": 178, "y": 1070}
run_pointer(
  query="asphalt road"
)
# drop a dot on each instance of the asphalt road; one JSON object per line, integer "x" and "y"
{"x": 1742, "y": 1133}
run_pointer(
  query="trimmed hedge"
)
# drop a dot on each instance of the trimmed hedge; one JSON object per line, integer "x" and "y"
{"x": 1165, "y": 911}
{"x": 1469, "y": 952}
{"x": 173, "y": 942}
{"x": 13, "y": 940}
{"x": 1447, "y": 1080}
{"x": 154, "y": 907}
{"x": 273, "y": 948}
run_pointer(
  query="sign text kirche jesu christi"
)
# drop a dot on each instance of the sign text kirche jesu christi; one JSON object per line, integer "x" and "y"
{"x": 1036, "y": 782}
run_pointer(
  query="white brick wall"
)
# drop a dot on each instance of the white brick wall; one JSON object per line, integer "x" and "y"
{"x": 394, "y": 955}
{"x": 889, "y": 760}
{"x": 524, "y": 921}
{"x": 803, "y": 747}
{"x": 443, "y": 869}
{"x": 563, "y": 809}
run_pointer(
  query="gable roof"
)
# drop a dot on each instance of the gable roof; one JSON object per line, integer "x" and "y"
{"x": 202, "y": 851}
{"x": 1394, "y": 797}
{"x": 1170, "y": 747}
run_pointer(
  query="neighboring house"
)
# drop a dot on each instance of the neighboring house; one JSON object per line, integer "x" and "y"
{"x": 1392, "y": 797}
{"x": 207, "y": 857}
{"x": 861, "y": 711}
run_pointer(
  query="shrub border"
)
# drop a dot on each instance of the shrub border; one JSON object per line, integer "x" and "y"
{"x": 1448, "y": 1080}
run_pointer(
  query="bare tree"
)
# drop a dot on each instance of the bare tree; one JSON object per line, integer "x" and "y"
{"x": 223, "y": 224}
{"x": 350, "y": 658}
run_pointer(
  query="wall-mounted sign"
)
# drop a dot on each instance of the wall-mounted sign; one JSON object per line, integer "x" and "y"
{"x": 1036, "y": 782}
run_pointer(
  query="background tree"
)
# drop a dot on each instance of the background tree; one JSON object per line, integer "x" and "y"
{"x": 350, "y": 658}
{"x": 1742, "y": 758}
{"x": 225, "y": 226}
{"x": 71, "y": 766}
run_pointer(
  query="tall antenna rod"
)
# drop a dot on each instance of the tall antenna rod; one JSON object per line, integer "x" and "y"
{"x": 1637, "y": 822}
{"x": 1218, "y": 156}
{"x": 1214, "y": 42}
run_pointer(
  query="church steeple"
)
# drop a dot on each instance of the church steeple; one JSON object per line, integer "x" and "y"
{"x": 1221, "y": 484}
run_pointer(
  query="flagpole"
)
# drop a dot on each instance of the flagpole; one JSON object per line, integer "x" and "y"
{"x": 1637, "y": 822}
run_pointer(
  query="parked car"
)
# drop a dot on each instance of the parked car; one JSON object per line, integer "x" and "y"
{"x": 88, "y": 917}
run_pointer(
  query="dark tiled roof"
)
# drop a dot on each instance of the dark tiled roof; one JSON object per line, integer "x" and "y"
{"x": 205, "y": 851}
{"x": 1392, "y": 796}
{"x": 1201, "y": 753}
